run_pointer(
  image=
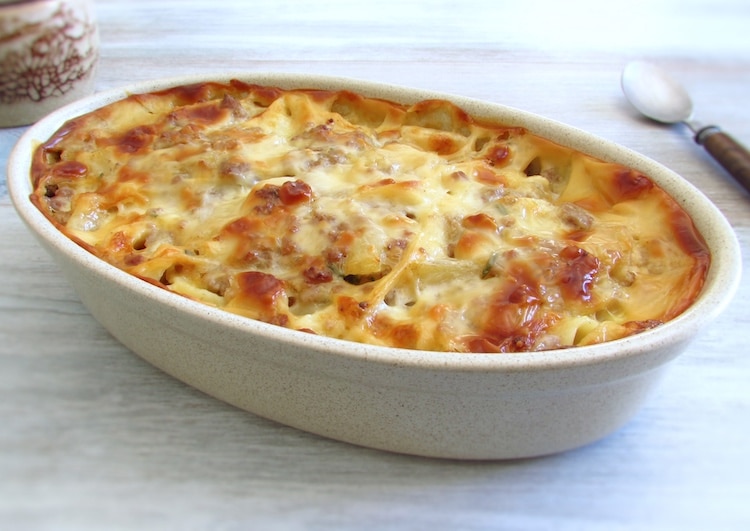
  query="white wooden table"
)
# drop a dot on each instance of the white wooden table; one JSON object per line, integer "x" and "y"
{"x": 91, "y": 437}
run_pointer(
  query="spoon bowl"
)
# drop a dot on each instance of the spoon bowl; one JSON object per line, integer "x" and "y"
{"x": 655, "y": 94}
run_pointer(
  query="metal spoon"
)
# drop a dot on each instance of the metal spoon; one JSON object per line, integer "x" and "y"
{"x": 661, "y": 98}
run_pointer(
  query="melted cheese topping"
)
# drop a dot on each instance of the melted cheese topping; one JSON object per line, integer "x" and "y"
{"x": 407, "y": 226}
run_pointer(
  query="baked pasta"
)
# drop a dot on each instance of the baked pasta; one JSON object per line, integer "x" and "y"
{"x": 411, "y": 226}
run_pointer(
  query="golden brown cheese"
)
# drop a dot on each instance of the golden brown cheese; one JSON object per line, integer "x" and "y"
{"x": 356, "y": 218}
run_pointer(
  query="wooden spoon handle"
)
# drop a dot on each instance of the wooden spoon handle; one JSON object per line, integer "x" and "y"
{"x": 732, "y": 155}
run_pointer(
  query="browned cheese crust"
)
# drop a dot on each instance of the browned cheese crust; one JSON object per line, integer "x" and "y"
{"x": 412, "y": 226}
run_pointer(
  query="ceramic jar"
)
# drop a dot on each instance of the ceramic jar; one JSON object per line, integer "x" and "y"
{"x": 48, "y": 55}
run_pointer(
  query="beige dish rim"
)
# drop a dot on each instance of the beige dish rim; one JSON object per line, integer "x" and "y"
{"x": 721, "y": 284}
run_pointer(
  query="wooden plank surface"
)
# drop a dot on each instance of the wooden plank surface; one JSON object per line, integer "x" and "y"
{"x": 91, "y": 437}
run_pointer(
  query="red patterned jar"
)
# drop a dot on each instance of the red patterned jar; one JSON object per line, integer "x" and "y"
{"x": 48, "y": 55}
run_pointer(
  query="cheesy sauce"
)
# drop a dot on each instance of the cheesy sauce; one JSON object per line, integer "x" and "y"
{"x": 412, "y": 226}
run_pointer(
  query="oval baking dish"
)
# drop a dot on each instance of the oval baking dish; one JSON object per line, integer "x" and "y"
{"x": 439, "y": 404}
